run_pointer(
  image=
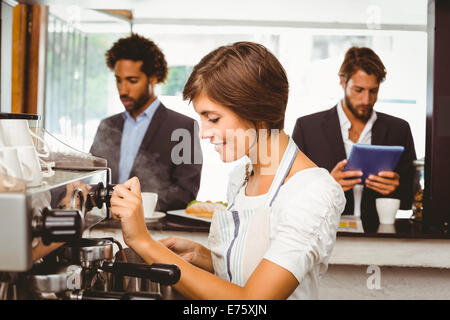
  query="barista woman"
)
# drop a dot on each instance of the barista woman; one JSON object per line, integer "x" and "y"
{"x": 276, "y": 236}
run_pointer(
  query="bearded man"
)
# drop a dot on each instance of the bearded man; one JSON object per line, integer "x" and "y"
{"x": 327, "y": 137}
{"x": 139, "y": 141}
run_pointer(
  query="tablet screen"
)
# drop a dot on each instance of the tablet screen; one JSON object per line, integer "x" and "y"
{"x": 372, "y": 159}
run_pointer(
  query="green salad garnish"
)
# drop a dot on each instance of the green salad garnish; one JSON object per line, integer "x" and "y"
{"x": 194, "y": 201}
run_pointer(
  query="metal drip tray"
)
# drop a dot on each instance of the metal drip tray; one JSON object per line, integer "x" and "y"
{"x": 55, "y": 278}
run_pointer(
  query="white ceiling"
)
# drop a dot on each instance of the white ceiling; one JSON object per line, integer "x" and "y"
{"x": 277, "y": 12}
{"x": 408, "y": 12}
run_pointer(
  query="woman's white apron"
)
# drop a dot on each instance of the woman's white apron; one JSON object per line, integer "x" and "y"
{"x": 238, "y": 240}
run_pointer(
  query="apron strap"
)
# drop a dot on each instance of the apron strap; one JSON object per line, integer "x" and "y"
{"x": 282, "y": 171}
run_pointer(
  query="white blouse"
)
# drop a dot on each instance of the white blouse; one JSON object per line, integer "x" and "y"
{"x": 306, "y": 212}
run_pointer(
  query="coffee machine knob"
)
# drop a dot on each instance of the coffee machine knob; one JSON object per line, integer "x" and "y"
{"x": 99, "y": 196}
{"x": 60, "y": 225}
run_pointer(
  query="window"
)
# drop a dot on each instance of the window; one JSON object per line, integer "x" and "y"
{"x": 78, "y": 90}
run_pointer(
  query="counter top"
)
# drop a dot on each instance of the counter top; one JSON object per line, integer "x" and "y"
{"x": 403, "y": 228}
{"x": 353, "y": 249}
{"x": 428, "y": 253}
{"x": 168, "y": 223}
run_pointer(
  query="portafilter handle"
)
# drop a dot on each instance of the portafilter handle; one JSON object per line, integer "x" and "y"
{"x": 166, "y": 274}
{"x": 58, "y": 225}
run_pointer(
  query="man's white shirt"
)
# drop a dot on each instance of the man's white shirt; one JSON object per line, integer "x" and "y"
{"x": 364, "y": 138}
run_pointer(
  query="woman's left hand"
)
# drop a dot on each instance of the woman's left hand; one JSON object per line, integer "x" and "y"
{"x": 126, "y": 206}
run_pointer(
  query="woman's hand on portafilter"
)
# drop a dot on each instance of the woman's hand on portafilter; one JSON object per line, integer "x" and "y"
{"x": 126, "y": 206}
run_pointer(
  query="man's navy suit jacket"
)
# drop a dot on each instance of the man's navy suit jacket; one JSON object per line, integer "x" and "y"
{"x": 319, "y": 137}
{"x": 176, "y": 184}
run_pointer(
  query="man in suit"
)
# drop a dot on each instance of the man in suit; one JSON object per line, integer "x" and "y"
{"x": 326, "y": 138}
{"x": 143, "y": 140}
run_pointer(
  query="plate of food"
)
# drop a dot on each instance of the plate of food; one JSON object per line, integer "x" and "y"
{"x": 199, "y": 210}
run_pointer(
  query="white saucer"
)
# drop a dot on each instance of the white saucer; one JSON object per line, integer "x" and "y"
{"x": 182, "y": 213}
{"x": 156, "y": 216}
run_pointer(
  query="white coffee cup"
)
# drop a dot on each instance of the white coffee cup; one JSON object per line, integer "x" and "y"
{"x": 386, "y": 228}
{"x": 29, "y": 157}
{"x": 387, "y": 209}
{"x": 13, "y": 166}
{"x": 149, "y": 200}
{"x": 5, "y": 175}
{"x": 16, "y": 132}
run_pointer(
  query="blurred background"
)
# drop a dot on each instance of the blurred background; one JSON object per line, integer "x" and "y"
{"x": 308, "y": 37}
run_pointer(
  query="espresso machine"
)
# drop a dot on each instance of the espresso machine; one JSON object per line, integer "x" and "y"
{"x": 43, "y": 254}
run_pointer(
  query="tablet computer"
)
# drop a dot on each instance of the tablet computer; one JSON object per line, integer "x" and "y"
{"x": 371, "y": 159}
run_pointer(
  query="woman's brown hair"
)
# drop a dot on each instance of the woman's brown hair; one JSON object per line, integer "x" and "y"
{"x": 362, "y": 58}
{"x": 246, "y": 78}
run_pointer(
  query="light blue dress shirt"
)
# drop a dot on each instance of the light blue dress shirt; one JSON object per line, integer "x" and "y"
{"x": 132, "y": 135}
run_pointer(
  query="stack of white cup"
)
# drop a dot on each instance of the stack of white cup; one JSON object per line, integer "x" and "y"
{"x": 19, "y": 158}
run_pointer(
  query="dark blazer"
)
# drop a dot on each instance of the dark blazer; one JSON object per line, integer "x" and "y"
{"x": 157, "y": 163}
{"x": 319, "y": 137}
